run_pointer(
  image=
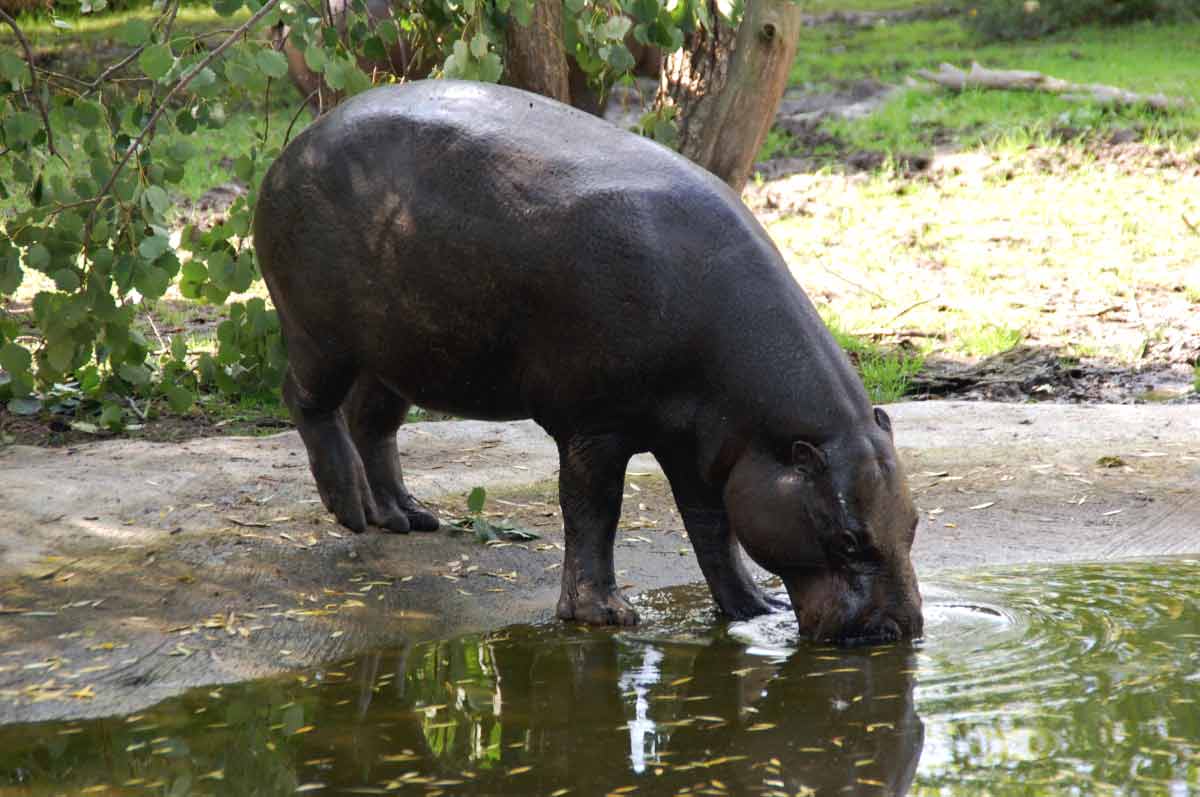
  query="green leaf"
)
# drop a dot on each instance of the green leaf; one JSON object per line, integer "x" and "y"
{"x": 374, "y": 49}
{"x": 13, "y": 69}
{"x": 11, "y": 273}
{"x": 134, "y": 32}
{"x": 479, "y": 45}
{"x": 387, "y": 30}
{"x": 24, "y": 406}
{"x": 157, "y": 198}
{"x": 61, "y": 355}
{"x": 135, "y": 374}
{"x": 227, "y": 8}
{"x": 38, "y": 257}
{"x": 15, "y": 359}
{"x": 179, "y": 398}
{"x": 315, "y": 58}
{"x": 178, "y": 347}
{"x": 272, "y": 63}
{"x": 476, "y": 500}
{"x": 66, "y": 279}
{"x": 150, "y": 281}
{"x": 156, "y": 61}
{"x": 490, "y": 68}
{"x": 195, "y": 270}
{"x": 615, "y": 28}
{"x": 112, "y": 417}
{"x": 20, "y": 127}
{"x": 153, "y": 247}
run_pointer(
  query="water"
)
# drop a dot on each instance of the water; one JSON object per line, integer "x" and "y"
{"x": 1044, "y": 680}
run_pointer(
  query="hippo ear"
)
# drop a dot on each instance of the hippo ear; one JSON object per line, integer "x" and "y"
{"x": 881, "y": 418}
{"x": 808, "y": 459}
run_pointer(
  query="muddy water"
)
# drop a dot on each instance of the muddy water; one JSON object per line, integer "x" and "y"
{"x": 1057, "y": 680}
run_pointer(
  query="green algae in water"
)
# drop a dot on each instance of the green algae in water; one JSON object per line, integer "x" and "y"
{"x": 1081, "y": 679}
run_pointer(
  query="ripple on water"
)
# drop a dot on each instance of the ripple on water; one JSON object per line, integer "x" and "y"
{"x": 1069, "y": 680}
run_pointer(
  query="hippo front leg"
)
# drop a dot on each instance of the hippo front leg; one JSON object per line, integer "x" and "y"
{"x": 717, "y": 552}
{"x": 590, "y": 482}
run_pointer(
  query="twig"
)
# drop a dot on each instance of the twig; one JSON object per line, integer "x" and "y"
{"x": 287, "y": 136}
{"x": 1189, "y": 223}
{"x": 862, "y": 288}
{"x": 133, "y": 406}
{"x": 162, "y": 106}
{"x": 107, "y": 73}
{"x": 33, "y": 83}
{"x": 912, "y": 306}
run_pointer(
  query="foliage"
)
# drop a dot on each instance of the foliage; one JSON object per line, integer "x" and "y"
{"x": 487, "y": 530}
{"x": 999, "y": 20}
{"x": 90, "y": 165}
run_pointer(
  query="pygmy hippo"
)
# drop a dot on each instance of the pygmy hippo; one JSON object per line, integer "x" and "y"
{"x": 490, "y": 253}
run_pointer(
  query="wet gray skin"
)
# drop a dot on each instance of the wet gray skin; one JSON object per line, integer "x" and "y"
{"x": 1046, "y": 681}
{"x": 489, "y": 253}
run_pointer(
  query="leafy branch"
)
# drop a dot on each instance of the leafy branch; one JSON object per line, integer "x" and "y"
{"x": 33, "y": 82}
{"x": 148, "y": 129}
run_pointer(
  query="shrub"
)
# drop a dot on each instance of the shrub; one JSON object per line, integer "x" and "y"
{"x": 1029, "y": 19}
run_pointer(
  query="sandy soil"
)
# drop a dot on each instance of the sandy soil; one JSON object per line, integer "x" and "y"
{"x": 130, "y": 571}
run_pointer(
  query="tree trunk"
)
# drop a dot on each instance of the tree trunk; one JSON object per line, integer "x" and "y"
{"x": 535, "y": 60}
{"x": 726, "y": 85}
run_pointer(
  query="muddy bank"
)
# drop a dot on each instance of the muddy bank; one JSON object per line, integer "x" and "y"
{"x": 130, "y": 571}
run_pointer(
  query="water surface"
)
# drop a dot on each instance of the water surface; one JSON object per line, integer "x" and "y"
{"x": 1062, "y": 680}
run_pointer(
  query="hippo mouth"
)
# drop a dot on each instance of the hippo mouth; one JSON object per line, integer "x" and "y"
{"x": 832, "y": 609}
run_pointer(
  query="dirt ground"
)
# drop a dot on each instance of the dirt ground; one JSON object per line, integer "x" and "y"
{"x": 131, "y": 570}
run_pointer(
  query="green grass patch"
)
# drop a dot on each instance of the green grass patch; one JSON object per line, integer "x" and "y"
{"x": 988, "y": 339}
{"x": 72, "y": 29}
{"x": 886, "y": 374}
{"x": 1144, "y": 58}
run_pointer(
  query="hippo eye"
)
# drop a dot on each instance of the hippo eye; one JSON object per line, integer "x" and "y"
{"x": 850, "y": 541}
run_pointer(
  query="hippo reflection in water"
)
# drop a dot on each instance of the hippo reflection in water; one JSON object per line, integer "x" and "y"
{"x": 489, "y": 253}
{"x": 595, "y": 712}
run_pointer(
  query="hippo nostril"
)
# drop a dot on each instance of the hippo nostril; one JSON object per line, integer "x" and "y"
{"x": 889, "y": 629}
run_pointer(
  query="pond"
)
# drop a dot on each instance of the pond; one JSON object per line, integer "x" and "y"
{"x": 1057, "y": 680}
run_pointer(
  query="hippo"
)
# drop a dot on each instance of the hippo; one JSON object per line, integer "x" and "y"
{"x": 486, "y": 252}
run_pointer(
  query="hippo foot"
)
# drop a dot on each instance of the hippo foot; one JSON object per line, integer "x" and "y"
{"x": 394, "y": 521}
{"x": 346, "y": 506}
{"x": 403, "y": 516}
{"x": 419, "y": 518}
{"x": 751, "y": 603}
{"x": 596, "y": 608}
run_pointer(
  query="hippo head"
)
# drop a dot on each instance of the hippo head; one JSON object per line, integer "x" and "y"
{"x": 836, "y": 522}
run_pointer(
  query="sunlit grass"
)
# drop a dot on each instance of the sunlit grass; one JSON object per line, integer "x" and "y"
{"x": 1007, "y": 242}
{"x": 1145, "y": 58}
{"x": 886, "y": 374}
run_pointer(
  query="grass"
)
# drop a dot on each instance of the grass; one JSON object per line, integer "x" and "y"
{"x": 976, "y": 256}
{"x": 988, "y": 339}
{"x": 1145, "y": 58}
{"x": 886, "y": 374}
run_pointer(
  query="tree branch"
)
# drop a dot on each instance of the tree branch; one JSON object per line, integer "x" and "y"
{"x": 33, "y": 82}
{"x": 162, "y": 106}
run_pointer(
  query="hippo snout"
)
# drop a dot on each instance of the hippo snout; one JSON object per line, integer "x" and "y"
{"x": 884, "y": 628}
{"x": 854, "y": 610}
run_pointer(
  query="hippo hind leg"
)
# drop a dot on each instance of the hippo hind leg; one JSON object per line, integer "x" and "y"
{"x": 373, "y": 414}
{"x": 313, "y": 395}
{"x": 590, "y": 482}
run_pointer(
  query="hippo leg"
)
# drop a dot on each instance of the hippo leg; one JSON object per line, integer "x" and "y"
{"x": 717, "y": 551}
{"x": 591, "y": 479}
{"x": 341, "y": 479}
{"x": 373, "y": 414}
